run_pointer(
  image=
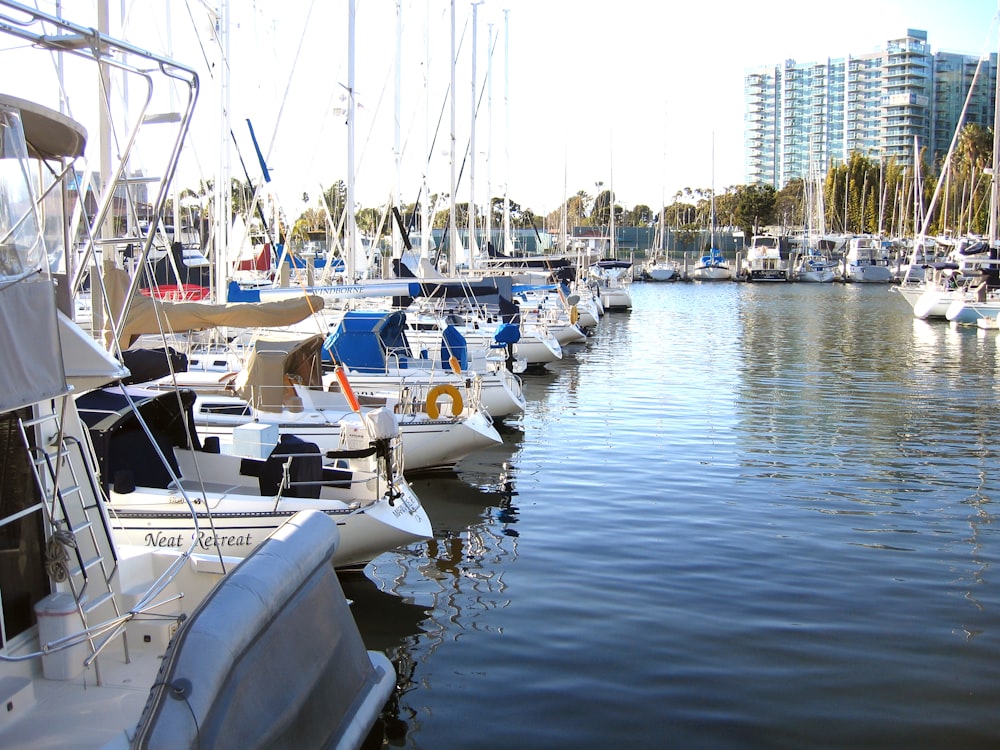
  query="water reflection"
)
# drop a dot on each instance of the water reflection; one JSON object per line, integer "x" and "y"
{"x": 799, "y": 477}
{"x": 439, "y": 589}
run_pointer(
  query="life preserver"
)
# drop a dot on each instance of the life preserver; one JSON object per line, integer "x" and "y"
{"x": 432, "y": 396}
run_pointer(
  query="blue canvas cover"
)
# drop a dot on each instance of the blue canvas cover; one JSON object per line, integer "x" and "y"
{"x": 453, "y": 344}
{"x": 507, "y": 333}
{"x": 363, "y": 340}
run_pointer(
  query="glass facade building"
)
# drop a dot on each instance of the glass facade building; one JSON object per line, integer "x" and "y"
{"x": 801, "y": 118}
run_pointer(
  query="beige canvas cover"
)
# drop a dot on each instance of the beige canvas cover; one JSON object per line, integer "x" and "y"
{"x": 275, "y": 365}
{"x": 151, "y": 316}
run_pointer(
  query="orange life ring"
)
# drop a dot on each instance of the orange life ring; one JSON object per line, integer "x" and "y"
{"x": 432, "y": 396}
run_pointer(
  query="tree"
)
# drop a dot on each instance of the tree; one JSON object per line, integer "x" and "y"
{"x": 754, "y": 207}
{"x": 640, "y": 216}
{"x": 600, "y": 216}
{"x": 335, "y": 199}
{"x": 789, "y": 204}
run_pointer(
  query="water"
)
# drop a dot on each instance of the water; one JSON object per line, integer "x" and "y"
{"x": 742, "y": 516}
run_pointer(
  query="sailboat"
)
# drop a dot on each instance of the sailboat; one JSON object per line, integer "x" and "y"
{"x": 971, "y": 266}
{"x": 612, "y": 276}
{"x": 712, "y": 266}
{"x": 660, "y": 267}
{"x": 106, "y": 645}
{"x": 814, "y": 263}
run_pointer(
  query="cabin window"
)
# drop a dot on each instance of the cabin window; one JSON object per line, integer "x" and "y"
{"x": 231, "y": 409}
{"x": 22, "y": 537}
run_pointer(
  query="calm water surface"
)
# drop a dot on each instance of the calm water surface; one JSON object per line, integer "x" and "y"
{"x": 741, "y": 516}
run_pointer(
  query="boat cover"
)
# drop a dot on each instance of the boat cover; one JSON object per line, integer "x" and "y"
{"x": 120, "y": 442}
{"x": 237, "y": 674}
{"x": 363, "y": 341}
{"x": 274, "y": 364}
{"x": 148, "y": 315}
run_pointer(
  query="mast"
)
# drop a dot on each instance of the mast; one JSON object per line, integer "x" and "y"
{"x": 712, "y": 199}
{"x": 425, "y": 218}
{"x": 995, "y": 177}
{"x": 223, "y": 193}
{"x": 472, "y": 144}
{"x": 397, "y": 241}
{"x": 612, "y": 229}
{"x": 564, "y": 214}
{"x": 350, "y": 229}
{"x": 507, "y": 240}
{"x": 453, "y": 240}
{"x": 489, "y": 138}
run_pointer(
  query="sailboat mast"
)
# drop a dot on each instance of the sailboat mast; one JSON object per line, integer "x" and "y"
{"x": 425, "y": 212}
{"x": 397, "y": 197}
{"x": 350, "y": 229}
{"x": 995, "y": 177}
{"x": 489, "y": 137}
{"x": 507, "y": 244}
{"x": 612, "y": 229}
{"x": 223, "y": 193}
{"x": 712, "y": 198}
{"x": 472, "y": 143}
{"x": 452, "y": 227}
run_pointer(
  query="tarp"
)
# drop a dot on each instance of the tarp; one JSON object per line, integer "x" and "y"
{"x": 362, "y": 340}
{"x": 274, "y": 364}
{"x": 31, "y": 367}
{"x": 148, "y": 315}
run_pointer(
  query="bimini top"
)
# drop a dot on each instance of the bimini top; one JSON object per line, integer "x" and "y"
{"x": 366, "y": 342}
{"x": 612, "y": 263}
{"x": 49, "y": 135}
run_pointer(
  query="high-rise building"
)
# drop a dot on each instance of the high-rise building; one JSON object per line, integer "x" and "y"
{"x": 801, "y": 118}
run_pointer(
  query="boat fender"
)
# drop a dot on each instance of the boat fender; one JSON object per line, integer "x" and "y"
{"x": 345, "y": 387}
{"x": 444, "y": 389}
{"x": 574, "y": 315}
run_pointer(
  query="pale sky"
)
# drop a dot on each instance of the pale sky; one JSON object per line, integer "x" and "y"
{"x": 629, "y": 92}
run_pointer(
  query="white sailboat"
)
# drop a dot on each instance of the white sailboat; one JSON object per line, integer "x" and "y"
{"x": 612, "y": 276}
{"x": 814, "y": 263}
{"x": 712, "y": 266}
{"x": 101, "y": 640}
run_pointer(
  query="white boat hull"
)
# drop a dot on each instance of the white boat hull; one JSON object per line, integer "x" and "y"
{"x": 659, "y": 273}
{"x": 428, "y": 444}
{"x": 873, "y": 274}
{"x": 616, "y": 299}
{"x": 155, "y": 518}
{"x": 500, "y": 393}
{"x": 711, "y": 273}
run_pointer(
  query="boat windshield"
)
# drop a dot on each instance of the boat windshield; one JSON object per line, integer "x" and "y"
{"x": 21, "y": 246}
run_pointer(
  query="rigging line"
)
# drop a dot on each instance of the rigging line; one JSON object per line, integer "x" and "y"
{"x": 468, "y": 143}
{"x": 947, "y": 160}
{"x": 295, "y": 61}
{"x": 378, "y": 107}
{"x": 437, "y": 128}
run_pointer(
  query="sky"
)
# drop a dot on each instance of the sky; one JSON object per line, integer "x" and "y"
{"x": 632, "y": 95}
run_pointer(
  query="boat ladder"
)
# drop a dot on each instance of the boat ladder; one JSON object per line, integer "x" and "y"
{"x": 80, "y": 552}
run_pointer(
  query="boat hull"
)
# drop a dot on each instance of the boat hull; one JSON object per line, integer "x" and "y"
{"x": 500, "y": 393}
{"x": 237, "y": 523}
{"x": 661, "y": 274}
{"x": 767, "y": 274}
{"x": 711, "y": 273}
{"x": 869, "y": 274}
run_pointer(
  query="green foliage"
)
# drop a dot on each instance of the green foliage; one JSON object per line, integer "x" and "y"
{"x": 754, "y": 207}
{"x": 861, "y": 195}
